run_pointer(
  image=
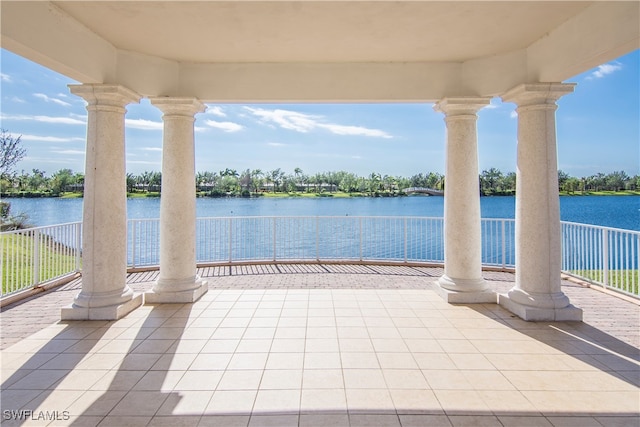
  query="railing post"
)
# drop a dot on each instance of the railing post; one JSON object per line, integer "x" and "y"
{"x": 78, "y": 246}
{"x": 133, "y": 242}
{"x": 405, "y": 240}
{"x": 36, "y": 257}
{"x": 274, "y": 239}
{"x": 635, "y": 285}
{"x": 230, "y": 240}
{"x": 504, "y": 244}
{"x": 317, "y": 238}
{"x": 360, "y": 232}
{"x": 605, "y": 256}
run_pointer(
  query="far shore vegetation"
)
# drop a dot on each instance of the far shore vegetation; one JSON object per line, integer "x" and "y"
{"x": 278, "y": 183}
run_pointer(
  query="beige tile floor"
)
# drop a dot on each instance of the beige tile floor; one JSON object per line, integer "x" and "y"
{"x": 322, "y": 346}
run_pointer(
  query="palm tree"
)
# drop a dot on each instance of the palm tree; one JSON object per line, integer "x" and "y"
{"x": 245, "y": 180}
{"x": 257, "y": 178}
{"x": 374, "y": 182}
{"x": 305, "y": 179}
{"x": 616, "y": 180}
{"x": 276, "y": 176}
{"x": 131, "y": 182}
{"x": 62, "y": 179}
{"x": 144, "y": 179}
{"x": 433, "y": 180}
{"x": 298, "y": 173}
{"x": 155, "y": 180}
{"x": 200, "y": 180}
{"x": 489, "y": 180}
{"x": 37, "y": 181}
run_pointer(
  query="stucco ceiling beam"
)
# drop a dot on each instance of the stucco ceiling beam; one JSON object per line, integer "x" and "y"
{"x": 600, "y": 33}
{"x": 321, "y": 82}
{"x": 148, "y": 75}
{"x": 43, "y": 33}
{"x": 493, "y": 75}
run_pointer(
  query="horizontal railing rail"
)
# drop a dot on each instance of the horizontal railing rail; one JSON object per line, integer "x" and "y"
{"x": 604, "y": 256}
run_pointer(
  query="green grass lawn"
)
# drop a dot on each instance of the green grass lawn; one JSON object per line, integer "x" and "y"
{"x": 335, "y": 195}
{"x": 71, "y": 195}
{"x": 625, "y": 280}
{"x": 17, "y": 261}
{"x": 143, "y": 195}
{"x": 602, "y": 193}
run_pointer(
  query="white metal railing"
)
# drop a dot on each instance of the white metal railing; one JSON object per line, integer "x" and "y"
{"x": 605, "y": 256}
{"x": 600, "y": 255}
{"x": 247, "y": 239}
{"x": 33, "y": 256}
{"x": 498, "y": 242}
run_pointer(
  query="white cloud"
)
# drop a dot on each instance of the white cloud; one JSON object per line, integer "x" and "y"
{"x": 276, "y": 144}
{"x": 151, "y": 149}
{"x": 286, "y": 119}
{"x": 513, "y": 114}
{"x": 40, "y": 138}
{"x": 355, "y": 130}
{"x": 605, "y": 69}
{"x": 225, "y": 126}
{"x": 5, "y": 77}
{"x": 216, "y": 111}
{"x": 53, "y": 100}
{"x": 18, "y": 100}
{"x": 44, "y": 119}
{"x": 56, "y": 161}
{"x": 304, "y": 123}
{"x": 143, "y": 124}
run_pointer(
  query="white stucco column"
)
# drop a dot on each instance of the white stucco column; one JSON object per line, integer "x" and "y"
{"x": 104, "y": 293}
{"x": 462, "y": 281}
{"x": 178, "y": 282}
{"x": 537, "y": 294}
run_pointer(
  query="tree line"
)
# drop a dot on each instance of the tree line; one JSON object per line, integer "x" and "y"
{"x": 231, "y": 182}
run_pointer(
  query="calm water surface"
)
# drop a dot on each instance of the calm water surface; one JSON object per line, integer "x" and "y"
{"x": 620, "y": 212}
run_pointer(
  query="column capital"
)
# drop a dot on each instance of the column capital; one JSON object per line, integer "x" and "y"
{"x": 175, "y": 106}
{"x": 537, "y": 93}
{"x": 461, "y": 106}
{"x": 105, "y": 94}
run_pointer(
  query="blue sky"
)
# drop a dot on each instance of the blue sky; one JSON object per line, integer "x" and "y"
{"x": 598, "y": 129}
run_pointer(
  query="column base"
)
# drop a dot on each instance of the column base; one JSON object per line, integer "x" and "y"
{"x": 177, "y": 297}
{"x": 465, "y": 291}
{"x": 453, "y": 297}
{"x": 110, "y": 312}
{"x": 568, "y": 313}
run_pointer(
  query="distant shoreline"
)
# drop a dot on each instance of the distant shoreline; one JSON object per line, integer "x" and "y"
{"x": 337, "y": 195}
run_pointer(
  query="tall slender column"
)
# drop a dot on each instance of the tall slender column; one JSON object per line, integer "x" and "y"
{"x": 178, "y": 282}
{"x": 537, "y": 294}
{"x": 462, "y": 281}
{"x": 104, "y": 293}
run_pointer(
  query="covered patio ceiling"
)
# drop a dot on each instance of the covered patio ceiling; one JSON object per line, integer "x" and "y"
{"x": 315, "y": 51}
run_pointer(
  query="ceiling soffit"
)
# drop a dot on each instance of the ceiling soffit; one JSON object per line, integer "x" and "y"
{"x": 320, "y": 31}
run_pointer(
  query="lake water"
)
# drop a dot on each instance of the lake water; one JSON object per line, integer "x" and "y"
{"x": 611, "y": 211}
